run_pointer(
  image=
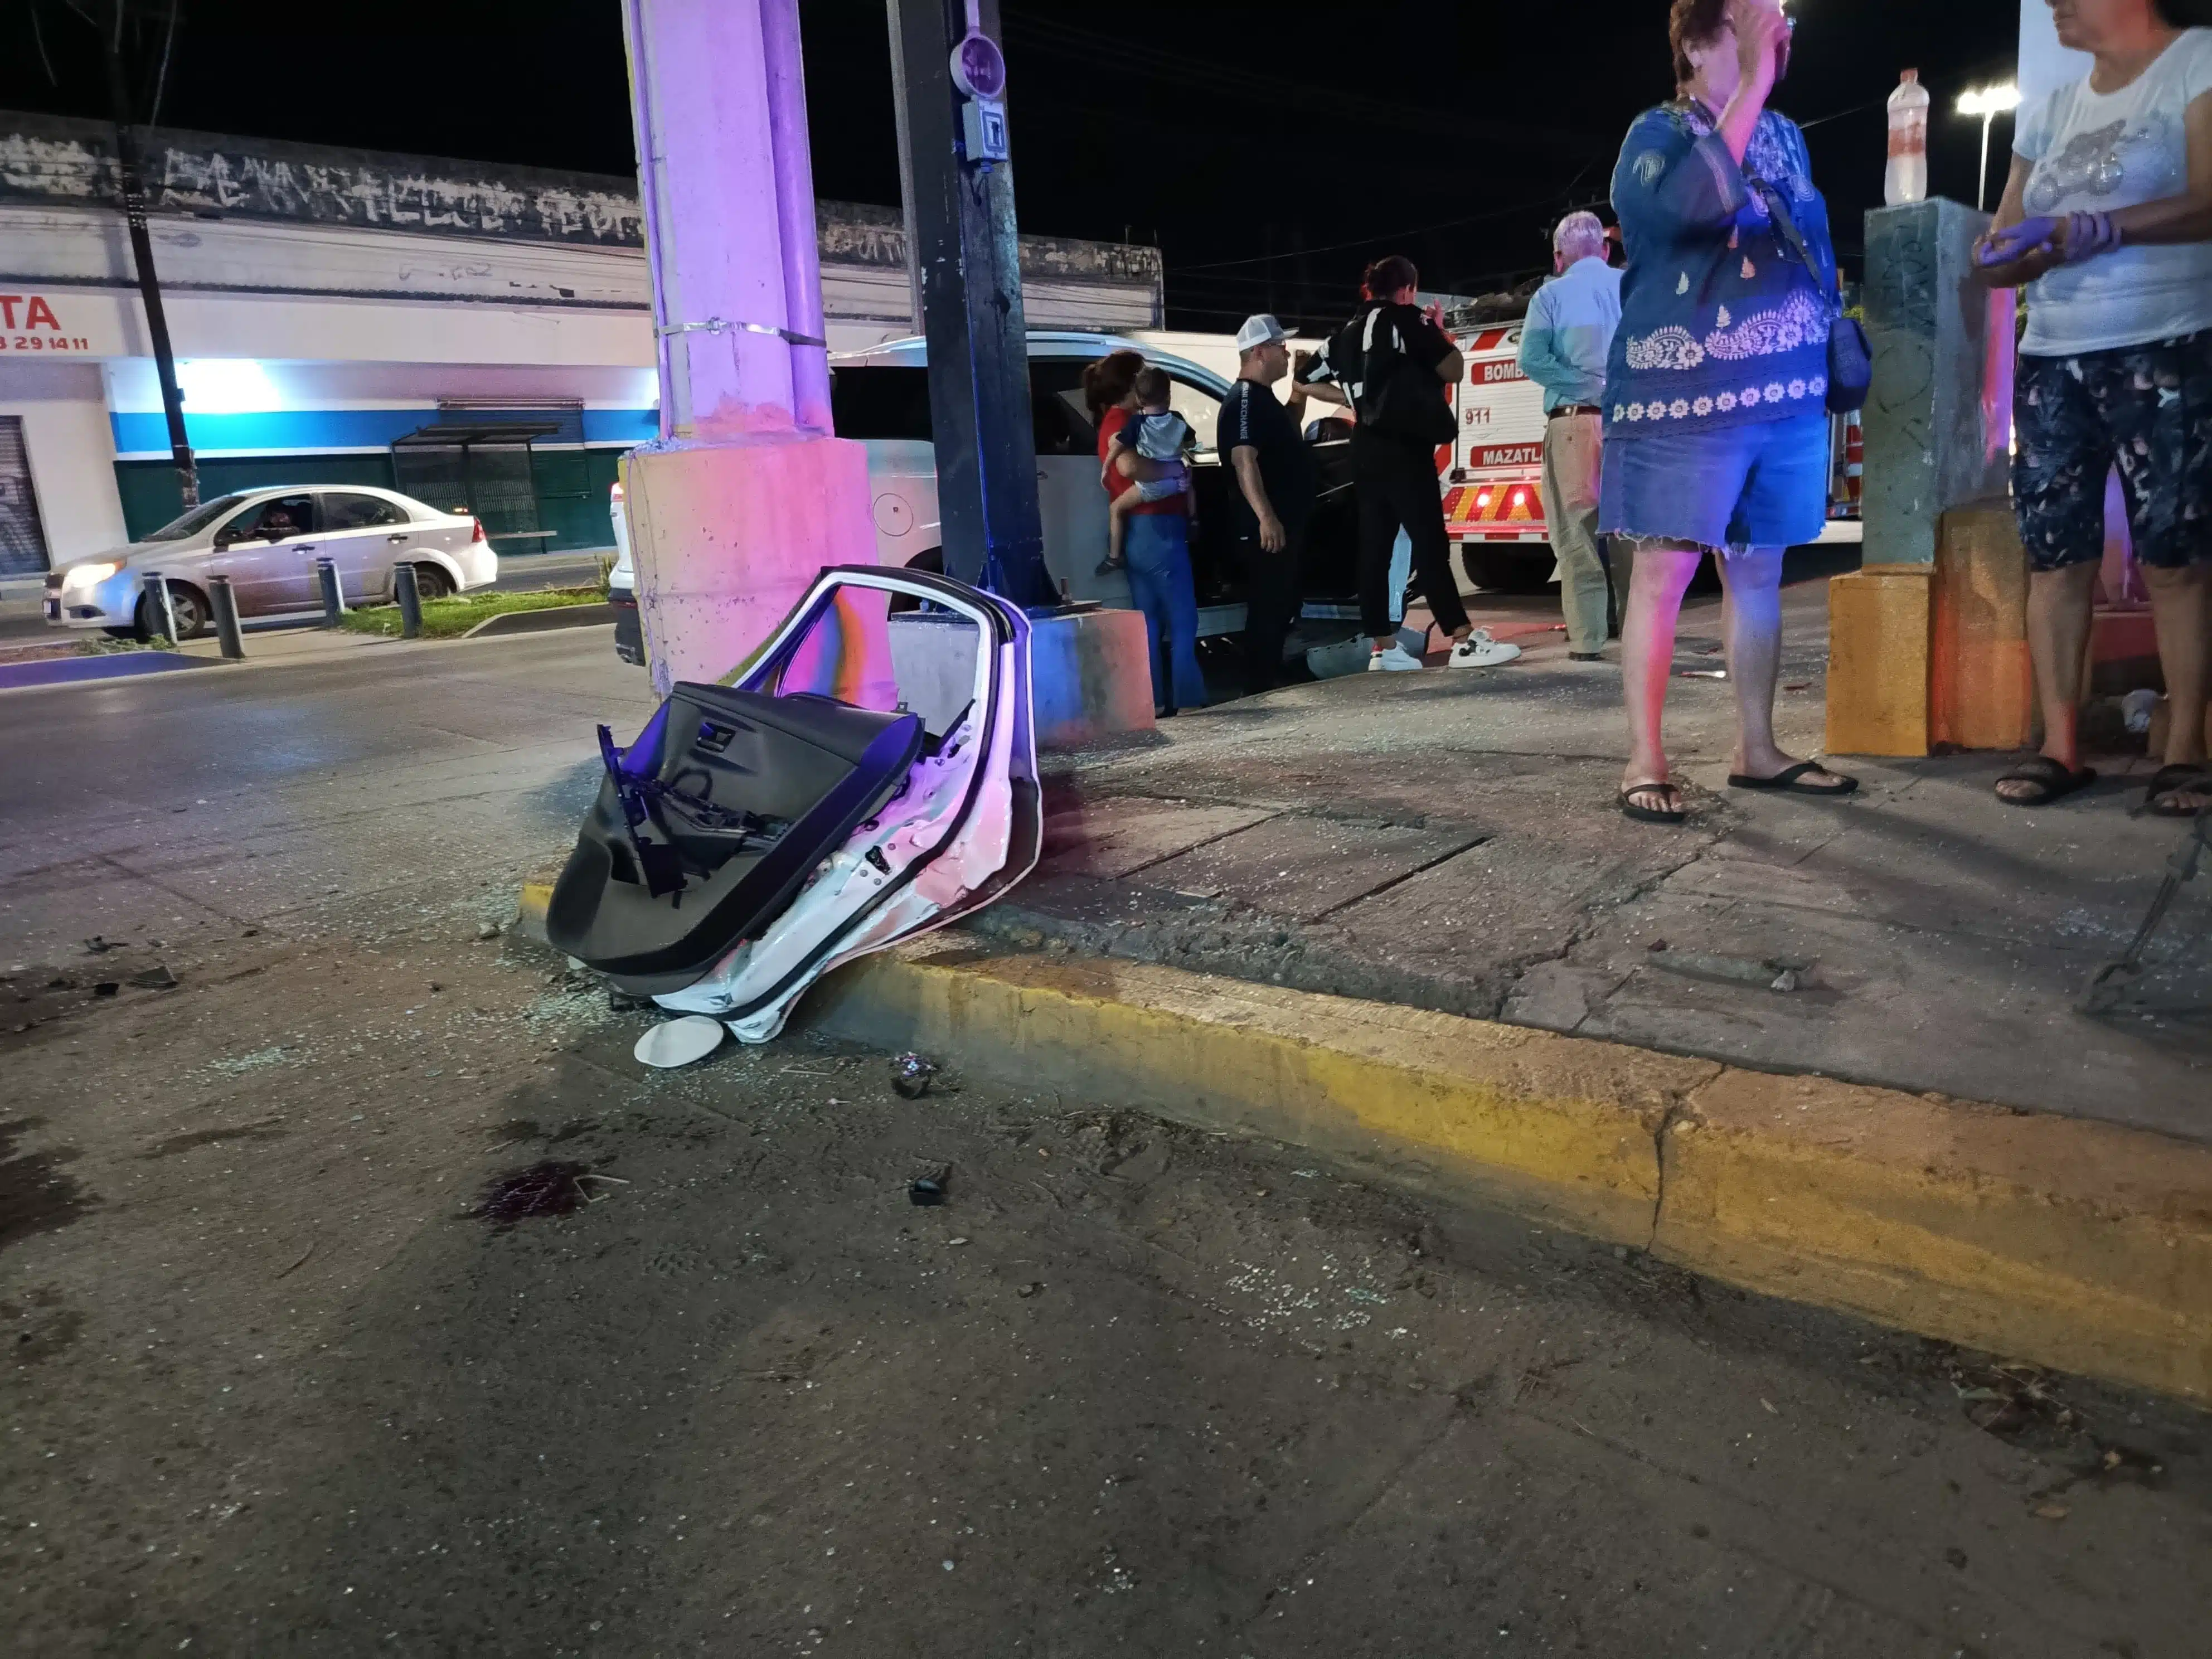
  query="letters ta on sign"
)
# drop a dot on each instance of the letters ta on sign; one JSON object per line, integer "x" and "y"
{"x": 27, "y": 323}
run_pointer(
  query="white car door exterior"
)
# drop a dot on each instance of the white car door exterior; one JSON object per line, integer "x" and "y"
{"x": 269, "y": 555}
{"x": 364, "y": 536}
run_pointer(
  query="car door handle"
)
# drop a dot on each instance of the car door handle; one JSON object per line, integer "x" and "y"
{"x": 305, "y": 547}
{"x": 395, "y": 538}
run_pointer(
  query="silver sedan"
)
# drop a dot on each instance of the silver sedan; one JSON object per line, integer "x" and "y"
{"x": 268, "y": 542}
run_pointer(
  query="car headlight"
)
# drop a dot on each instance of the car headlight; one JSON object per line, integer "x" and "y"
{"x": 87, "y": 575}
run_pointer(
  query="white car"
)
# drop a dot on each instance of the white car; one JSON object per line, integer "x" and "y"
{"x": 267, "y": 540}
{"x": 880, "y": 398}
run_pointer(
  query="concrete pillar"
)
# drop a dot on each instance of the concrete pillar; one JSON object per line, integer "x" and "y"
{"x": 745, "y": 494}
{"x": 1938, "y": 421}
{"x": 1938, "y": 431}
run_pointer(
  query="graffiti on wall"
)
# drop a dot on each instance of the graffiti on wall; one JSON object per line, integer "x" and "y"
{"x": 189, "y": 175}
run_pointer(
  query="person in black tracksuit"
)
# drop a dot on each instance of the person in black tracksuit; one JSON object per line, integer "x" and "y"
{"x": 1391, "y": 344}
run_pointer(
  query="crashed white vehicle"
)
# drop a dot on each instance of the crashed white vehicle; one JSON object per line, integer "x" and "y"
{"x": 872, "y": 776}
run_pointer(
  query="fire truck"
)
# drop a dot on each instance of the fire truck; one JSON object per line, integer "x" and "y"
{"x": 1493, "y": 472}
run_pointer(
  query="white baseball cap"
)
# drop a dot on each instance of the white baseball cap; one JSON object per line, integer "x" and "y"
{"x": 1263, "y": 330}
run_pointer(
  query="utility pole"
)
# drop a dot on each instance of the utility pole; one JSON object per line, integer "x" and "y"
{"x": 131, "y": 179}
{"x": 949, "y": 77}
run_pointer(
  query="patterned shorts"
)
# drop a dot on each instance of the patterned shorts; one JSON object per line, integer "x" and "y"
{"x": 2147, "y": 409}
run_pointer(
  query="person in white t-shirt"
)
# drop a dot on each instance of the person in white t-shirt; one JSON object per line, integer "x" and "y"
{"x": 2107, "y": 221}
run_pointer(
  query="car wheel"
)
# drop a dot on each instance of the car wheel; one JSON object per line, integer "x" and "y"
{"x": 190, "y": 609}
{"x": 930, "y": 563}
{"x": 431, "y": 582}
{"x": 1508, "y": 567}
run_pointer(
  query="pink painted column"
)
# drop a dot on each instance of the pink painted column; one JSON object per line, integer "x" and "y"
{"x": 746, "y": 493}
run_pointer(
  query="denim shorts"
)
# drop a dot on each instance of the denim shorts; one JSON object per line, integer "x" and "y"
{"x": 1731, "y": 489}
{"x": 2147, "y": 409}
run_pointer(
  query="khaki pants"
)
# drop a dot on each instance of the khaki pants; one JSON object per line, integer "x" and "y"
{"x": 1574, "y": 453}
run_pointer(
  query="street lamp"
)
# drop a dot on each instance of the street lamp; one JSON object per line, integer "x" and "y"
{"x": 1989, "y": 103}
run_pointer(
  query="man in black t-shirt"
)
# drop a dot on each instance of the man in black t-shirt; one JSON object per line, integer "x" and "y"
{"x": 1397, "y": 363}
{"x": 1271, "y": 502}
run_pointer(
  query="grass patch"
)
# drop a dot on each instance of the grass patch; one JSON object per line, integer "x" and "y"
{"x": 443, "y": 619}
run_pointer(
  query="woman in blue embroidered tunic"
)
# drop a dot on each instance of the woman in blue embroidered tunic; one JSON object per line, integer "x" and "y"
{"x": 1717, "y": 431}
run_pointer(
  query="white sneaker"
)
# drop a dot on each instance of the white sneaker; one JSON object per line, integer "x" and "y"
{"x": 1479, "y": 650}
{"x": 1396, "y": 660}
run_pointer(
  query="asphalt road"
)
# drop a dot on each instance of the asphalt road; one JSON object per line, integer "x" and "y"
{"x": 270, "y": 1390}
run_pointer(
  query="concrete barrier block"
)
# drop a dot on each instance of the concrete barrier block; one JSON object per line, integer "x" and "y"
{"x": 1879, "y": 623}
{"x": 1981, "y": 692}
{"x": 1091, "y": 676}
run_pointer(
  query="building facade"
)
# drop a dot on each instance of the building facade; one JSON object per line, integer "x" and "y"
{"x": 478, "y": 336}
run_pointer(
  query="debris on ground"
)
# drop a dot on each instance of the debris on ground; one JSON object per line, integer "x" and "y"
{"x": 106, "y": 988}
{"x": 157, "y": 978}
{"x": 96, "y": 945}
{"x": 911, "y": 1075}
{"x": 627, "y": 1002}
{"x": 929, "y": 1190}
{"x": 675, "y": 1042}
{"x": 2010, "y": 1401}
{"x": 486, "y": 929}
{"x": 1782, "y": 973}
{"x": 551, "y": 1188}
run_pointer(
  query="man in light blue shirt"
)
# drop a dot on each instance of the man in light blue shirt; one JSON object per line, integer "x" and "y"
{"x": 1563, "y": 347}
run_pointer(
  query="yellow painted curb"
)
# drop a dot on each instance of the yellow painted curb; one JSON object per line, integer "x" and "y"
{"x": 2082, "y": 1246}
{"x": 2085, "y": 1246}
{"x": 530, "y": 912}
{"x": 1551, "y": 1125}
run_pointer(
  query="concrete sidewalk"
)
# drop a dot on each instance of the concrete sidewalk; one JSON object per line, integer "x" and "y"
{"x": 1450, "y": 840}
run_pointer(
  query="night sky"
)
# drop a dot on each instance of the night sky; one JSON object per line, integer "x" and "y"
{"x": 1226, "y": 132}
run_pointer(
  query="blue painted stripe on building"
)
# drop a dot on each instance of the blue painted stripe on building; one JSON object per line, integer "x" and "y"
{"x": 625, "y": 427}
{"x": 320, "y": 431}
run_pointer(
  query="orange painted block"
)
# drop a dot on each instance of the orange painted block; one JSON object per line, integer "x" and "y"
{"x": 1981, "y": 691}
{"x": 1880, "y": 622}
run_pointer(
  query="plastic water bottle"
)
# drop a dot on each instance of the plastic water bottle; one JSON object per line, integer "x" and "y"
{"x": 2135, "y": 708}
{"x": 1905, "y": 180}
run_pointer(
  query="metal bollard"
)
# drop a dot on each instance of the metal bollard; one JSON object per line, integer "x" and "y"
{"x": 408, "y": 591}
{"x": 226, "y": 617}
{"x": 326, "y": 577}
{"x": 157, "y": 589}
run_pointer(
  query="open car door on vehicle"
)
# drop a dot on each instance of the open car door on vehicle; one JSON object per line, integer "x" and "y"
{"x": 871, "y": 775}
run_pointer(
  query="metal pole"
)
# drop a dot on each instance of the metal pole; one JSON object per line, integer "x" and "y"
{"x": 225, "y": 605}
{"x": 141, "y": 253}
{"x": 408, "y": 591}
{"x": 157, "y": 590}
{"x": 326, "y": 578}
{"x": 968, "y": 252}
{"x": 1982, "y": 178}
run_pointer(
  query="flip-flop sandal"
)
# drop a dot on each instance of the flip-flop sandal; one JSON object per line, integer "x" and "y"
{"x": 1650, "y": 814}
{"x": 2197, "y": 779}
{"x": 1787, "y": 781}
{"x": 2048, "y": 775}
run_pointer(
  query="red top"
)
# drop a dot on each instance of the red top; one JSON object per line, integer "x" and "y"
{"x": 1116, "y": 485}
